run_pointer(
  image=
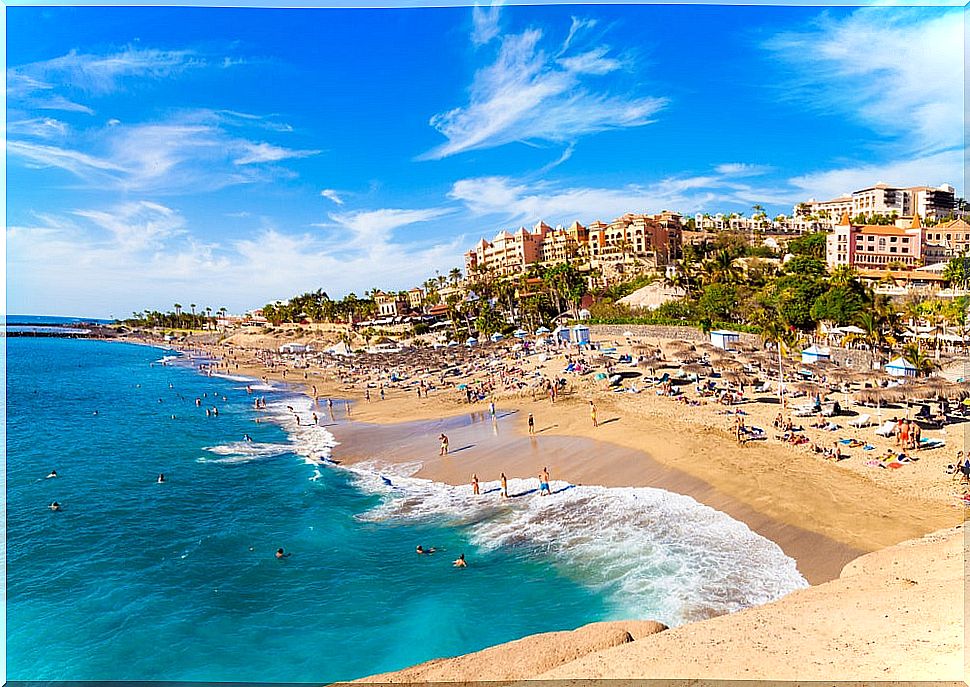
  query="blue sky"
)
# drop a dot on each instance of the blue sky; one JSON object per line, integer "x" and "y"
{"x": 229, "y": 157}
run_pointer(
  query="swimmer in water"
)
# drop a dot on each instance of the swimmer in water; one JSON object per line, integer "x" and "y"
{"x": 53, "y": 474}
{"x": 280, "y": 554}
{"x": 161, "y": 478}
{"x": 55, "y": 506}
{"x": 421, "y": 550}
{"x": 460, "y": 562}
{"x": 246, "y": 437}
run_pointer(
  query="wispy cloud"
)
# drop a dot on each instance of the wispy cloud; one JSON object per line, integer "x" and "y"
{"x": 99, "y": 74}
{"x": 375, "y": 227}
{"x": 485, "y": 22}
{"x": 332, "y": 195}
{"x": 190, "y": 153}
{"x": 742, "y": 169}
{"x": 264, "y": 152}
{"x": 144, "y": 254}
{"x": 137, "y": 226}
{"x": 529, "y": 95}
{"x": 515, "y": 201}
{"x": 897, "y": 72}
{"x": 931, "y": 170}
{"x": 37, "y": 127}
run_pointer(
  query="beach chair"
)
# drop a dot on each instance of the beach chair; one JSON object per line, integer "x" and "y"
{"x": 887, "y": 429}
{"x": 861, "y": 421}
{"x": 806, "y": 410}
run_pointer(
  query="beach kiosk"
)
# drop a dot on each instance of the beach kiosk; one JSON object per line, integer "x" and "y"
{"x": 724, "y": 339}
{"x": 900, "y": 367}
{"x": 293, "y": 348}
{"x": 815, "y": 353}
{"x": 579, "y": 334}
{"x": 561, "y": 333}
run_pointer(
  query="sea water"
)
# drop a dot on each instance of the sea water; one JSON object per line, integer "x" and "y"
{"x": 178, "y": 581}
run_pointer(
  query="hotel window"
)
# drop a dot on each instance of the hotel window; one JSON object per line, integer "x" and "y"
{"x": 882, "y": 244}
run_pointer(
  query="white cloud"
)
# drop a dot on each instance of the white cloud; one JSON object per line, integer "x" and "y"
{"x": 509, "y": 201}
{"x": 485, "y": 22}
{"x": 264, "y": 152}
{"x": 80, "y": 164}
{"x": 190, "y": 153}
{"x": 137, "y": 226}
{"x": 896, "y": 71}
{"x": 373, "y": 228}
{"x": 332, "y": 195}
{"x": 931, "y": 170}
{"x": 527, "y": 95}
{"x": 99, "y": 261}
{"x": 104, "y": 73}
{"x": 37, "y": 127}
{"x": 742, "y": 169}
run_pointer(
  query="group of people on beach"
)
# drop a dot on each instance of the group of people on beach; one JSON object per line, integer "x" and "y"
{"x": 544, "y": 482}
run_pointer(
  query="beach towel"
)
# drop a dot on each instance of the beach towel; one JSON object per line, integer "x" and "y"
{"x": 875, "y": 464}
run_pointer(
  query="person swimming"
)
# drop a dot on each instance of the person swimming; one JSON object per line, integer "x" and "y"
{"x": 55, "y": 506}
{"x": 460, "y": 562}
{"x": 280, "y": 554}
{"x": 53, "y": 474}
{"x": 420, "y": 549}
{"x": 161, "y": 478}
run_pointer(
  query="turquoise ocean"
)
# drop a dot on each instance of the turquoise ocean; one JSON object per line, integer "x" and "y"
{"x": 135, "y": 580}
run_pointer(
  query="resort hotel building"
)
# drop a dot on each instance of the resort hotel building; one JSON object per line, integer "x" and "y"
{"x": 652, "y": 240}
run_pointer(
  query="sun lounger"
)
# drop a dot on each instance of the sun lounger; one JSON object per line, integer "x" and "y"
{"x": 887, "y": 429}
{"x": 861, "y": 421}
{"x": 805, "y": 410}
{"x": 925, "y": 443}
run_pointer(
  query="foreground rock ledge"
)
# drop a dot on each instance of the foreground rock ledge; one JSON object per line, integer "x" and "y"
{"x": 895, "y": 614}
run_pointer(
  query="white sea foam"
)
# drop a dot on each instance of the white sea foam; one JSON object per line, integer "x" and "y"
{"x": 167, "y": 359}
{"x": 233, "y": 378}
{"x": 311, "y": 441}
{"x": 654, "y": 553}
{"x": 249, "y": 450}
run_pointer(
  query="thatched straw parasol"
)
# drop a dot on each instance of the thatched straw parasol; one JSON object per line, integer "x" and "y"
{"x": 696, "y": 369}
{"x": 880, "y": 396}
{"x": 679, "y": 345}
{"x": 737, "y": 378}
{"x": 811, "y": 388}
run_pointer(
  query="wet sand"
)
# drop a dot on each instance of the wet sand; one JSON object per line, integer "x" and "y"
{"x": 479, "y": 446}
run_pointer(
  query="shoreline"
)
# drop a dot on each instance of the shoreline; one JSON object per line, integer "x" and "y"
{"x": 792, "y": 499}
{"x": 818, "y": 558}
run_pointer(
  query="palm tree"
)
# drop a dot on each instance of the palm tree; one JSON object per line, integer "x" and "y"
{"x": 784, "y": 338}
{"x": 192, "y": 305}
{"x": 455, "y": 276}
{"x": 914, "y": 353}
{"x": 178, "y": 314}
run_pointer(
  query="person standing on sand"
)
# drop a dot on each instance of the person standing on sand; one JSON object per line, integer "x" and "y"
{"x": 505, "y": 486}
{"x": 367, "y": 395}
{"x": 532, "y": 424}
{"x": 443, "y": 438}
{"x": 491, "y": 408}
{"x": 544, "y": 482}
{"x": 475, "y": 489}
{"x": 592, "y": 413}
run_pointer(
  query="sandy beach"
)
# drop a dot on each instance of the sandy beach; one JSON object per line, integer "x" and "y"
{"x": 824, "y": 514}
